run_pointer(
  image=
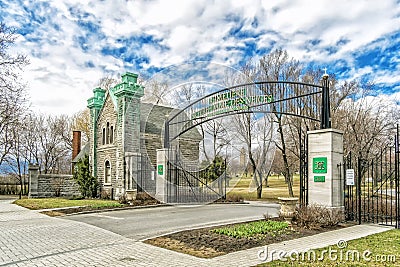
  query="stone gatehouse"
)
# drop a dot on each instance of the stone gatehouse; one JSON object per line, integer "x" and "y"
{"x": 124, "y": 136}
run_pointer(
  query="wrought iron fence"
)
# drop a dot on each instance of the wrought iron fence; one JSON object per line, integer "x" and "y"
{"x": 374, "y": 197}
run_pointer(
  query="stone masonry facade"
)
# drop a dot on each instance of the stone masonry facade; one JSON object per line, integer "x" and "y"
{"x": 125, "y": 135}
{"x": 106, "y": 144}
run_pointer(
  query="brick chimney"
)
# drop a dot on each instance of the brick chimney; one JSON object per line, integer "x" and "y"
{"x": 76, "y": 143}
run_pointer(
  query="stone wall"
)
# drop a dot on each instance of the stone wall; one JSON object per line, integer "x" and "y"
{"x": 51, "y": 185}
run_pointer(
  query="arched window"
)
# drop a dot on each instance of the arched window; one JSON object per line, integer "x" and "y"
{"x": 108, "y": 133}
{"x": 103, "y": 142}
{"x": 111, "y": 134}
{"x": 107, "y": 172}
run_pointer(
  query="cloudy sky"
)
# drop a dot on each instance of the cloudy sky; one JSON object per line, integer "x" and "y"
{"x": 73, "y": 43}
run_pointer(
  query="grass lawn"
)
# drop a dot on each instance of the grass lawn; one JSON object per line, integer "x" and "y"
{"x": 243, "y": 187}
{"x": 51, "y": 203}
{"x": 381, "y": 249}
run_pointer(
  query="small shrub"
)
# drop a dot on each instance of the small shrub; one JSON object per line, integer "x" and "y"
{"x": 234, "y": 198}
{"x": 267, "y": 216}
{"x": 374, "y": 209}
{"x": 122, "y": 199}
{"x": 57, "y": 184}
{"x": 143, "y": 196}
{"x": 75, "y": 198}
{"x": 105, "y": 194}
{"x": 314, "y": 217}
{"x": 87, "y": 183}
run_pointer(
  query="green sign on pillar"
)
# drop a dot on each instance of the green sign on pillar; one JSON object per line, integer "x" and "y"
{"x": 319, "y": 179}
{"x": 320, "y": 165}
{"x": 160, "y": 169}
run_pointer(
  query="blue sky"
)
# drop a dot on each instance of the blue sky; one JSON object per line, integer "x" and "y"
{"x": 73, "y": 43}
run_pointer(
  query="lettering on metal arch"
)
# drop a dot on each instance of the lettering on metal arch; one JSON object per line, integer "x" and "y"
{"x": 229, "y": 102}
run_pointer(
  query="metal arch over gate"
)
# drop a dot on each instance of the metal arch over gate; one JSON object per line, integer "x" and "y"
{"x": 303, "y": 100}
{"x": 308, "y": 101}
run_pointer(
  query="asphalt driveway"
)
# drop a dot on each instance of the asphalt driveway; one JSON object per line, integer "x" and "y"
{"x": 140, "y": 224}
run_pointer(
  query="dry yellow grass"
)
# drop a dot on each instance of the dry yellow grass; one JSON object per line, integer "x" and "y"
{"x": 51, "y": 203}
{"x": 244, "y": 187}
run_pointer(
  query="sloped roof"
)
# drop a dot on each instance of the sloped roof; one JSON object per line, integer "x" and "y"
{"x": 84, "y": 151}
{"x": 152, "y": 120}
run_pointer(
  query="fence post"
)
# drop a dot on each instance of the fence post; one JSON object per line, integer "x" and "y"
{"x": 33, "y": 180}
{"x": 166, "y": 133}
{"x": 359, "y": 188}
{"x": 224, "y": 197}
{"x": 396, "y": 164}
{"x": 326, "y": 107}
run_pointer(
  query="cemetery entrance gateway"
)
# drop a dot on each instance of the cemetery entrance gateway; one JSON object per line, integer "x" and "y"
{"x": 302, "y": 100}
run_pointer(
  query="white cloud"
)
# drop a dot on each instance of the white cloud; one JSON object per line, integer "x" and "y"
{"x": 185, "y": 29}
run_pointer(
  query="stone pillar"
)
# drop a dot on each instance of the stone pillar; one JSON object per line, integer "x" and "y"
{"x": 325, "y": 152}
{"x": 33, "y": 180}
{"x": 128, "y": 94}
{"x": 162, "y": 184}
{"x": 94, "y": 103}
{"x": 133, "y": 177}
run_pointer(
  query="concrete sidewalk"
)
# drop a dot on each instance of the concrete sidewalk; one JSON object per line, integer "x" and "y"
{"x": 254, "y": 256}
{"x": 28, "y": 238}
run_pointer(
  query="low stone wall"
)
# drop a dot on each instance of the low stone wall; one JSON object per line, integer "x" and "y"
{"x": 51, "y": 185}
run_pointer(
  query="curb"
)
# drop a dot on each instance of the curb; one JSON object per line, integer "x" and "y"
{"x": 100, "y": 210}
{"x": 124, "y": 208}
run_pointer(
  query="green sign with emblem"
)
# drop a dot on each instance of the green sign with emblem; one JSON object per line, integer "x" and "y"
{"x": 160, "y": 169}
{"x": 320, "y": 165}
{"x": 319, "y": 179}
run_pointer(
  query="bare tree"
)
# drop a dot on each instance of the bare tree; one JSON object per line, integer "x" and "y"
{"x": 107, "y": 82}
{"x": 17, "y": 159}
{"x": 254, "y": 131}
{"x": 266, "y": 148}
{"x": 214, "y": 133}
{"x": 245, "y": 125}
{"x": 12, "y": 90}
{"x": 216, "y": 130}
{"x": 185, "y": 94}
{"x": 55, "y": 144}
{"x": 80, "y": 121}
{"x": 155, "y": 92}
{"x": 48, "y": 143}
{"x": 257, "y": 134}
{"x": 38, "y": 139}
{"x": 278, "y": 66}
{"x": 367, "y": 122}
{"x": 274, "y": 67}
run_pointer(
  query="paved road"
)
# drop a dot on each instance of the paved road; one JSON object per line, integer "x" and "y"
{"x": 140, "y": 224}
{"x": 8, "y": 197}
{"x": 31, "y": 239}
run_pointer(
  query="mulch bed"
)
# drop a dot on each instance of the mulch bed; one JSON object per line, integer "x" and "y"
{"x": 205, "y": 244}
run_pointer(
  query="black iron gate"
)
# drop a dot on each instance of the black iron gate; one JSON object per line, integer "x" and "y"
{"x": 303, "y": 170}
{"x": 372, "y": 186}
{"x": 187, "y": 184}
